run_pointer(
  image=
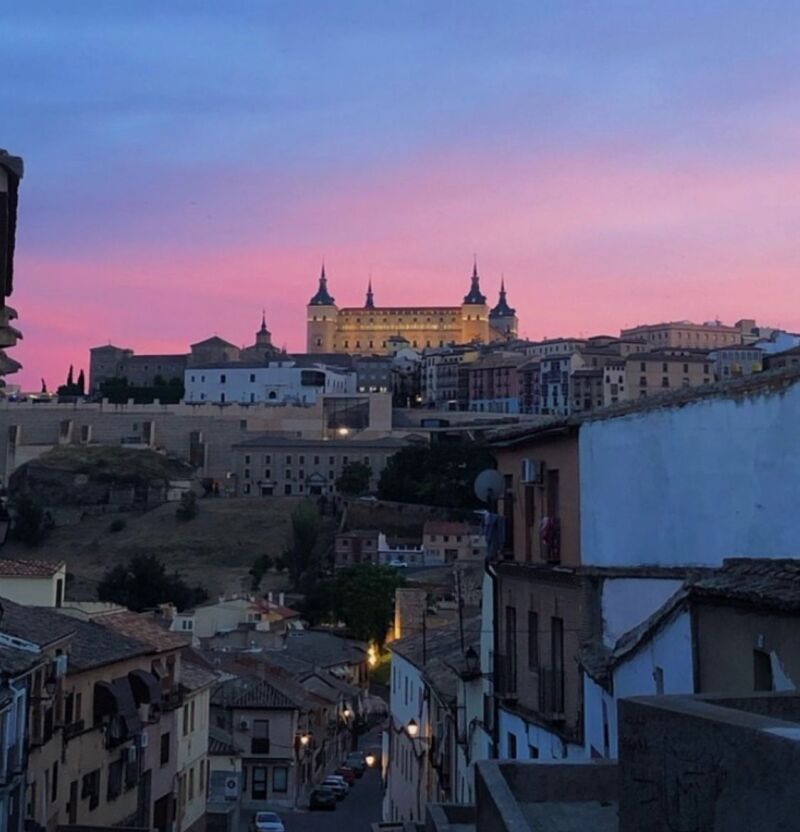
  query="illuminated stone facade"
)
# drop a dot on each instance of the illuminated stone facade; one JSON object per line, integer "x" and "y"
{"x": 366, "y": 330}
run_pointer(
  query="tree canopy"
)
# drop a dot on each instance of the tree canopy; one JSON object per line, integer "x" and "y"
{"x": 144, "y": 583}
{"x": 354, "y": 479}
{"x": 302, "y": 555}
{"x": 441, "y": 474}
{"x": 363, "y": 597}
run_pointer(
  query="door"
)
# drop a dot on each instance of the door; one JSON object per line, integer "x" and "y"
{"x": 259, "y": 783}
{"x": 72, "y": 807}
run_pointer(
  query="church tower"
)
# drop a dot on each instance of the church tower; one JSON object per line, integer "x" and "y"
{"x": 503, "y": 319}
{"x": 474, "y": 312}
{"x": 321, "y": 319}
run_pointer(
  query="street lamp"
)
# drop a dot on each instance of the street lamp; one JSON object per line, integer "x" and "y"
{"x": 347, "y": 713}
{"x": 412, "y": 728}
{"x": 305, "y": 739}
{"x": 473, "y": 661}
{"x": 370, "y": 760}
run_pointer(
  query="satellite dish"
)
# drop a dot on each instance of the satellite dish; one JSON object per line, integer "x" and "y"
{"x": 489, "y": 485}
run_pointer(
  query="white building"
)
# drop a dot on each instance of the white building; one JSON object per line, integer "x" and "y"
{"x": 38, "y": 583}
{"x": 279, "y": 382}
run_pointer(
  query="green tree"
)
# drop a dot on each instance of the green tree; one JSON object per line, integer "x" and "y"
{"x": 441, "y": 474}
{"x": 262, "y": 565}
{"x": 28, "y": 520}
{"x": 301, "y": 554}
{"x": 363, "y": 597}
{"x": 144, "y": 583}
{"x": 354, "y": 479}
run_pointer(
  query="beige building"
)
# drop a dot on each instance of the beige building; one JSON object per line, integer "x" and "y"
{"x": 647, "y": 374}
{"x": 739, "y": 360}
{"x": 35, "y": 582}
{"x": 688, "y": 335}
{"x": 445, "y": 541}
{"x": 368, "y": 329}
{"x": 203, "y": 434}
{"x": 269, "y": 465}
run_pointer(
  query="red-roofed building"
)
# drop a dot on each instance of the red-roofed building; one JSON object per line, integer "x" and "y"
{"x": 445, "y": 541}
{"x": 37, "y": 583}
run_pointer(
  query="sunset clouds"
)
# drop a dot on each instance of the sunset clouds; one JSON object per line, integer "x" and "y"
{"x": 187, "y": 167}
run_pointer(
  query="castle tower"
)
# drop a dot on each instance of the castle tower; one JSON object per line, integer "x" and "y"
{"x": 370, "y": 301}
{"x": 503, "y": 319}
{"x": 263, "y": 336}
{"x": 475, "y": 312}
{"x": 321, "y": 319}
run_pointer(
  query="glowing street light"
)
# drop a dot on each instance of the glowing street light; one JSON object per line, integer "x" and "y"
{"x": 412, "y": 728}
{"x": 370, "y": 760}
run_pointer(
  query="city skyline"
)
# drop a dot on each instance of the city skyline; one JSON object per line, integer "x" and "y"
{"x": 618, "y": 165}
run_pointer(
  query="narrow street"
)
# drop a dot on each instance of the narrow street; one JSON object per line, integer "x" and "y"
{"x": 355, "y": 813}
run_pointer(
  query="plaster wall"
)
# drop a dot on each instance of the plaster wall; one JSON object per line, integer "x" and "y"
{"x": 626, "y": 602}
{"x": 530, "y": 736}
{"x": 692, "y": 485}
{"x": 37, "y": 592}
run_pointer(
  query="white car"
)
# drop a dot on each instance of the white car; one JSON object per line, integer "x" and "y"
{"x": 338, "y": 785}
{"x": 398, "y": 564}
{"x": 267, "y": 822}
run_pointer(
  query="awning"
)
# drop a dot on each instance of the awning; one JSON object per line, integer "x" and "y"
{"x": 146, "y": 687}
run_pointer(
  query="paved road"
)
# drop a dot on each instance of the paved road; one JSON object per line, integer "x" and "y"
{"x": 355, "y": 813}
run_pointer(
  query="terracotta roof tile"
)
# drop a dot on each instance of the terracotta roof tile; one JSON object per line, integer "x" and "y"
{"x": 29, "y": 568}
{"x": 144, "y": 628}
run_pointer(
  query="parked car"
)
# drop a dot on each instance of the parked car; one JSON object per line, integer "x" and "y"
{"x": 322, "y": 798}
{"x": 356, "y": 761}
{"x": 398, "y": 564}
{"x": 267, "y": 822}
{"x": 348, "y": 774}
{"x": 337, "y": 786}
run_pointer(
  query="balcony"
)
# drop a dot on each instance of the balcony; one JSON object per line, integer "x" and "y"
{"x": 551, "y": 692}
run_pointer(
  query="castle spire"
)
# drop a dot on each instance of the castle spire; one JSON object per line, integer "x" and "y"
{"x": 502, "y": 310}
{"x": 322, "y": 297}
{"x": 474, "y": 297}
{"x": 263, "y": 320}
{"x": 370, "y": 302}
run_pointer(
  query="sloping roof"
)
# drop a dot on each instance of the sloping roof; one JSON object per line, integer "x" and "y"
{"x": 94, "y": 645}
{"x": 763, "y": 583}
{"x": 214, "y": 341}
{"x": 195, "y": 676}
{"x": 144, "y": 628}
{"x": 38, "y": 625}
{"x": 250, "y": 692}
{"x": 14, "y": 662}
{"x": 221, "y": 743}
{"x": 29, "y": 568}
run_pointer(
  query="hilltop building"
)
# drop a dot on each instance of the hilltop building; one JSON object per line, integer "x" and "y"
{"x": 368, "y": 329}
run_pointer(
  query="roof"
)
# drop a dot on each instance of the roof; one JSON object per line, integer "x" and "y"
{"x": 668, "y": 355}
{"x": 250, "y": 692}
{"x": 94, "y": 645}
{"x": 447, "y": 527}
{"x": 707, "y": 325}
{"x": 767, "y": 382}
{"x": 29, "y": 568}
{"x": 323, "y": 297}
{"x": 195, "y": 676}
{"x": 221, "y": 742}
{"x": 15, "y": 662}
{"x": 269, "y": 440}
{"x": 214, "y": 341}
{"x": 144, "y": 627}
{"x": 322, "y": 648}
{"x": 38, "y": 625}
{"x": 763, "y": 583}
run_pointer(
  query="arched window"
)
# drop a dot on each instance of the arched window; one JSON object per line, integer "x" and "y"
{"x": 272, "y": 395}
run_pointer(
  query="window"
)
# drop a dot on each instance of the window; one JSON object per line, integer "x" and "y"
{"x": 762, "y": 671}
{"x": 511, "y": 648}
{"x": 259, "y": 744}
{"x": 191, "y": 784}
{"x": 90, "y": 788}
{"x": 191, "y": 715}
{"x": 222, "y": 398}
{"x": 246, "y": 488}
{"x": 512, "y": 746}
{"x": 533, "y": 752}
{"x": 665, "y": 381}
{"x": 280, "y": 779}
{"x": 533, "y": 640}
{"x": 114, "y": 785}
{"x": 267, "y": 459}
{"x": 54, "y": 783}
{"x": 222, "y": 378}
{"x": 247, "y": 473}
{"x": 267, "y": 474}
{"x": 258, "y": 788}
{"x": 247, "y": 459}
{"x": 185, "y": 720}
{"x": 252, "y": 377}
{"x": 164, "y": 756}
{"x": 557, "y": 661}
{"x": 685, "y": 368}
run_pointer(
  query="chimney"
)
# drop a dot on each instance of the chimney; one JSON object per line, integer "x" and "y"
{"x": 281, "y": 599}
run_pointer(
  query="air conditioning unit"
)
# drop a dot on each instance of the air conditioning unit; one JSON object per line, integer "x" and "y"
{"x": 60, "y": 666}
{"x": 244, "y": 725}
{"x": 144, "y": 739}
{"x": 132, "y": 754}
{"x": 532, "y": 471}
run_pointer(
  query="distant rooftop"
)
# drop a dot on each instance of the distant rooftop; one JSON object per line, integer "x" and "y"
{"x": 29, "y": 568}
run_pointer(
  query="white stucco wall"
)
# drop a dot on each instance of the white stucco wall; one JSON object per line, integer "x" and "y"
{"x": 692, "y": 485}
{"x": 626, "y": 602}
{"x": 37, "y": 592}
{"x": 670, "y": 649}
{"x": 550, "y": 746}
{"x": 273, "y": 384}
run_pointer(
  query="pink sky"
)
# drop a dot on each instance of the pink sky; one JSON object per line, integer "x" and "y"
{"x": 587, "y": 244}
